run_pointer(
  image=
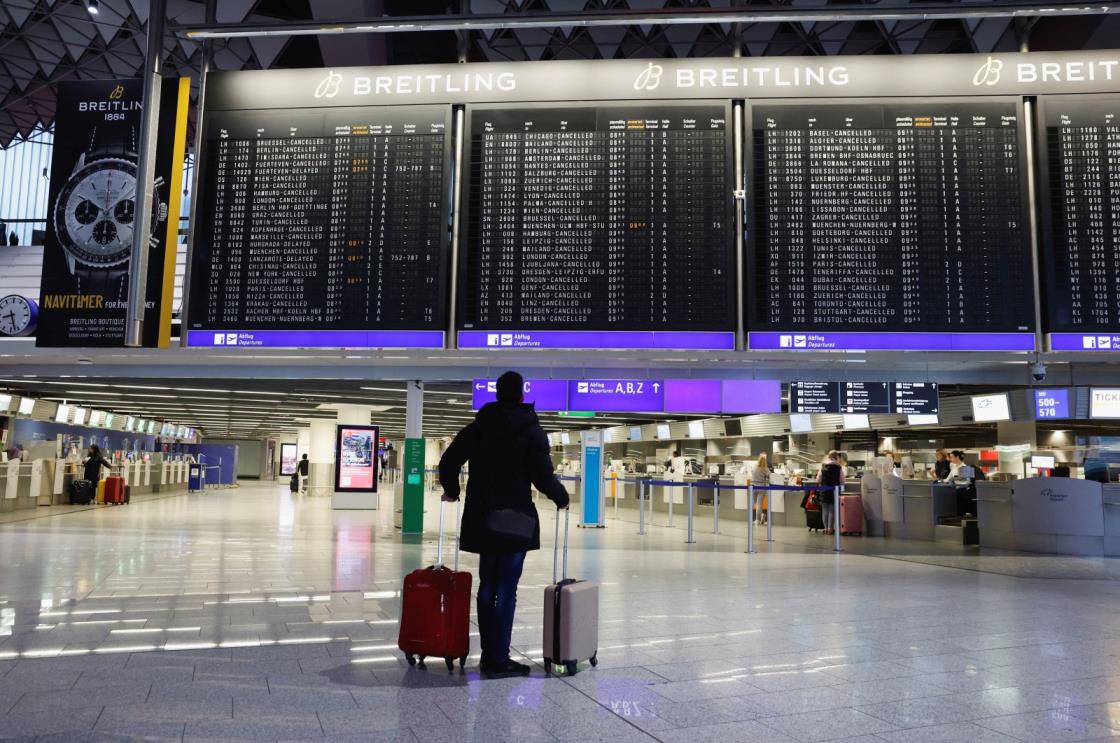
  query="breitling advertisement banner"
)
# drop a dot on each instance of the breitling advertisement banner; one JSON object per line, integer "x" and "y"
{"x": 84, "y": 295}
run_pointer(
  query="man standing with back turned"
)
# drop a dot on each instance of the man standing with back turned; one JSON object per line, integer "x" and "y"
{"x": 508, "y": 453}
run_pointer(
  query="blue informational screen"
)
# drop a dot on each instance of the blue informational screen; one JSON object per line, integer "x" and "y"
{"x": 1051, "y": 404}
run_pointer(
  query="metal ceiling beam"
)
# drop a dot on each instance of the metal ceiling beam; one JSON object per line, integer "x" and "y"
{"x": 669, "y": 16}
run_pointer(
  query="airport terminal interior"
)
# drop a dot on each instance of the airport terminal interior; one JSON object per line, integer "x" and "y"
{"x": 814, "y": 313}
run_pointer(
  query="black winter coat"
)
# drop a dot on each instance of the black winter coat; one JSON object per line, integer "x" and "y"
{"x": 508, "y": 453}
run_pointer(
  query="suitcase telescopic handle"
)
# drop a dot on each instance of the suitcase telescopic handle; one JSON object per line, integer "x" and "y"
{"x": 458, "y": 533}
{"x": 556, "y": 544}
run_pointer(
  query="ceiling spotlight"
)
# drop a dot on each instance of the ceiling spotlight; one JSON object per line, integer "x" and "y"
{"x": 92, "y": 7}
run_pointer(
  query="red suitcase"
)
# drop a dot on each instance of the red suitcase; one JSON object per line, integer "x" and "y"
{"x": 436, "y": 610}
{"x": 114, "y": 490}
{"x": 851, "y": 514}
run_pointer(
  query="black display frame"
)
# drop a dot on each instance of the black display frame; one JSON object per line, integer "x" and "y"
{"x": 1047, "y": 245}
{"x": 750, "y": 236}
{"x": 465, "y": 225}
{"x": 199, "y": 247}
{"x": 375, "y": 462}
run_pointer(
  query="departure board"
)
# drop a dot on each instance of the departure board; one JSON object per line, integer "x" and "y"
{"x": 1081, "y": 227}
{"x": 614, "y": 217}
{"x": 322, "y": 220}
{"x": 900, "y": 218}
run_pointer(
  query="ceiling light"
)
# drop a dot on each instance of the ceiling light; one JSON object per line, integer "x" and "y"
{"x": 93, "y": 7}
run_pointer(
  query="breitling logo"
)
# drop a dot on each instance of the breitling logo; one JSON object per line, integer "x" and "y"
{"x": 117, "y": 93}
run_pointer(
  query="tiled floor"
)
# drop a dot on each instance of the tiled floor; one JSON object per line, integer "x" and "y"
{"x": 247, "y": 615}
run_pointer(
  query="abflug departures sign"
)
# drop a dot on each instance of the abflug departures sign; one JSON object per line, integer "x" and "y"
{"x": 986, "y": 112}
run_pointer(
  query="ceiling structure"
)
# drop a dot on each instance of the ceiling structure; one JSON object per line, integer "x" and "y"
{"x": 45, "y": 42}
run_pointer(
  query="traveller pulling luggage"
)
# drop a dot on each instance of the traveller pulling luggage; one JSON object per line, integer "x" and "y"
{"x": 436, "y": 609}
{"x": 571, "y": 614}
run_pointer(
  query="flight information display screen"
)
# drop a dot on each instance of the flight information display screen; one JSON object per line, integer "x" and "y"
{"x": 903, "y": 218}
{"x": 322, "y": 227}
{"x": 1081, "y": 228}
{"x": 598, "y": 218}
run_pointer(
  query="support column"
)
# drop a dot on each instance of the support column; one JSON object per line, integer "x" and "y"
{"x": 411, "y": 486}
{"x": 145, "y": 175}
{"x": 320, "y": 454}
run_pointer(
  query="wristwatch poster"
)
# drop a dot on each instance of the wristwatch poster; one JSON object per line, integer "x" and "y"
{"x": 93, "y": 217}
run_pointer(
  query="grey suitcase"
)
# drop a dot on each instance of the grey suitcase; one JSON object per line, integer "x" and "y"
{"x": 571, "y": 615}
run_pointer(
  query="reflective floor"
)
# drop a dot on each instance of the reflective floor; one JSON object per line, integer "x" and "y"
{"x": 249, "y": 615}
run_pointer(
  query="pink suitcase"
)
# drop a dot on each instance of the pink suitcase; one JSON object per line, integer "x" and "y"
{"x": 851, "y": 514}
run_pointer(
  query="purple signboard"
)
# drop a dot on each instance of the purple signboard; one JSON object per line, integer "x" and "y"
{"x": 315, "y": 338}
{"x": 515, "y": 339}
{"x": 891, "y": 341}
{"x": 751, "y": 396}
{"x": 1051, "y": 404}
{"x": 692, "y": 395}
{"x": 1084, "y": 342}
{"x": 616, "y": 395}
{"x": 550, "y": 395}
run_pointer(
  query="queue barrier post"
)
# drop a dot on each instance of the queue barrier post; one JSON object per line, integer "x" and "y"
{"x": 641, "y": 507}
{"x": 672, "y": 497}
{"x": 750, "y": 519}
{"x": 715, "y": 509}
{"x": 691, "y": 500}
{"x": 614, "y": 493}
{"x": 769, "y": 516}
{"x": 836, "y": 517}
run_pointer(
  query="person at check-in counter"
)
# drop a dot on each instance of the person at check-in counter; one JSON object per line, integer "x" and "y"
{"x": 760, "y": 478}
{"x": 941, "y": 466}
{"x": 831, "y": 474}
{"x": 93, "y": 464}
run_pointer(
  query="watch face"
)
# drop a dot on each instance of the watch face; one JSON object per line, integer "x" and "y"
{"x": 15, "y": 315}
{"x": 96, "y": 211}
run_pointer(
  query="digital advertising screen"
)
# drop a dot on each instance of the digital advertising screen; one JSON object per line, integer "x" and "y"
{"x": 289, "y": 459}
{"x": 356, "y": 459}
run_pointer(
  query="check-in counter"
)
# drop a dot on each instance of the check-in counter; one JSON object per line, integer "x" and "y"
{"x": 912, "y": 509}
{"x": 16, "y": 484}
{"x": 1054, "y": 515}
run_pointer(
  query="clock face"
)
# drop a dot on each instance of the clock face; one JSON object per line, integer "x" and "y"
{"x": 17, "y": 315}
{"x": 96, "y": 212}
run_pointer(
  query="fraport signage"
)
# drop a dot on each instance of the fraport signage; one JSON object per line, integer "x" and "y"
{"x": 579, "y": 397}
{"x": 548, "y": 395}
{"x": 617, "y": 395}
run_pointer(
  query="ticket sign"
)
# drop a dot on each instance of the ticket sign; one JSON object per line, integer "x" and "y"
{"x": 617, "y": 395}
{"x": 549, "y": 395}
{"x": 356, "y": 459}
{"x": 1104, "y": 403}
{"x": 1051, "y": 404}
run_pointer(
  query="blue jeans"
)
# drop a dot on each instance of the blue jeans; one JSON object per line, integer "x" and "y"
{"x": 498, "y": 575}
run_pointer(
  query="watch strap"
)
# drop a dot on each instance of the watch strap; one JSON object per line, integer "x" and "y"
{"x": 108, "y": 282}
{"x": 116, "y": 141}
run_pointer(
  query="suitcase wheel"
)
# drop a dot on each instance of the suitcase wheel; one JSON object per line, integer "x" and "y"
{"x": 450, "y": 663}
{"x": 571, "y": 667}
{"x": 410, "y": 658}
{"x": 595, "y": 660}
